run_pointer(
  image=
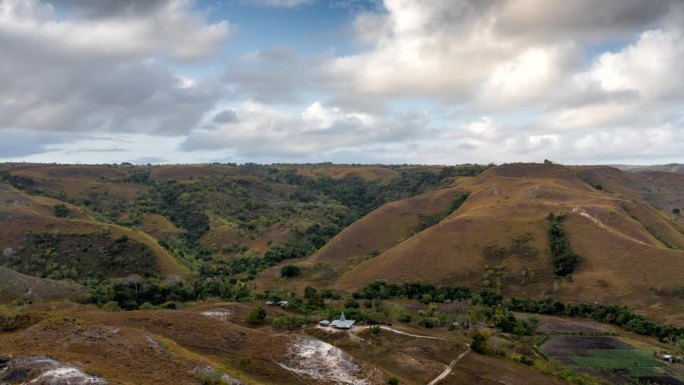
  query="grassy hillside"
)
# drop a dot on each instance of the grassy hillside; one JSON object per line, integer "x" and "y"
{"x": 16, "y": 286}
{"x": 629, "y": 251}
{"x": 210, "y": 220}
{"x": 347, "y": 226}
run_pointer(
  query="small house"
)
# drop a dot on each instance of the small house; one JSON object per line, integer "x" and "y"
{"x": 343, "y": 323}
{"x": 282, "y": 303}
{"x": 325, "y": 323}
{"x": 270, "y": 303}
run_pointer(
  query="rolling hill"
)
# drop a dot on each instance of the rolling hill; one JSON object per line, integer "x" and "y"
{"x": 351, "y": 225}
{"x": 16, "y": 286}
{"x": 631, "y": 252}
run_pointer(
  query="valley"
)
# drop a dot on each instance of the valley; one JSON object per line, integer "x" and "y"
{"x": 219, "y": 274}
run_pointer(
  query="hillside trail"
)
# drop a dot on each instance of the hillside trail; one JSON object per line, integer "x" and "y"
{"x": 411, "y": 335}
{"x": 601, "y": 225}
{"x": 448, "y": 368}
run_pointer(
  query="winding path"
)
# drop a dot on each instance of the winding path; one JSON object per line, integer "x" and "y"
{"x": 449, "y": 367}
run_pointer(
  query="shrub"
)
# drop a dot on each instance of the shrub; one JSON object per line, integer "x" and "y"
{"x": 522, "y": 359}
{"x": 257, "y": 316}
{"x": 564, "y": 260}
{"x": 111, "y": 306}
{"x": 404, "y": 316}
{"x": 288, "y": 271}
{"x": 479, "y": 344}
{"x": 288, "y": 322}
{"x": 393, "y": 381}
{"x": 61, "y": 211}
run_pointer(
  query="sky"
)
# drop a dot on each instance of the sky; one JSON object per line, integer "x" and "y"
{"x": 344, "y": 81}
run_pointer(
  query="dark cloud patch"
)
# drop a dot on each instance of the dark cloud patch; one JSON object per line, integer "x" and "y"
{"x": 575, "y": 19}
{"x": 20, "y": 143}
{"x": 226, "y": 116}
{"x": 109, "y": 8}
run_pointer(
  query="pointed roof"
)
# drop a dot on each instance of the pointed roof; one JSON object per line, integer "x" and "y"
{"x": 342, "y": 323}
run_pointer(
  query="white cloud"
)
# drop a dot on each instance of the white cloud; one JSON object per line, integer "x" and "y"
{"x": 265, "y": 131}
{"x": 651, "y": 66}
{"x": 105, "y": 73}
{"x": 282, "y": 3}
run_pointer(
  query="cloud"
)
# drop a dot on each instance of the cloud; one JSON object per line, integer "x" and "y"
{"x": 579, "y": 19}
{"x": 109, "y": 75}
{"x": 264, "y": 131}
{"x": 276, "y": 74}
{"x": 649, "y": 67}
{"x": 501, "y": 52}
{"x": 20, "y": 143}
{"x": 281, "y": 3}
{"x": 437, "y": 81}
{"x": 226, "y": 116}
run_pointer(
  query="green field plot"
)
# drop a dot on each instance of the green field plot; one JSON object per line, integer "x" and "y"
{"x": 616, "y": 359}
{"x": 641, "y": 371}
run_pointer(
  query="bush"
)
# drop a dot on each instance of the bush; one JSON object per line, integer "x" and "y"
{"x": 375, "y": 329}
{"x": 257, "y": 316}
{"x": 564, "y": 260}
{"x": 288, "y": 322}
{"x": 288, "y": 271}
{"x": 522, "y": 359}
{"x": 479, "y": 344}
{"x": 61, "y": 211}
{"x": 393, "y": 381}
{"x": 428, "y": 322}
{"x": 111, "y": 306}
{"x": 404, "y": 316}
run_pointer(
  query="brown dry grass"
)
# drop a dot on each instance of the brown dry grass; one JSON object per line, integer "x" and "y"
{"x": 383, "y": 228}
{"x": 622, "y": 261}
{"x": 341, "y": 172}
{"x": 80, "y": 181}
{"x": 476, "y": 369}
{"x": 152, "y": 347}
{"x": 14, "y": 285}
{"x": 158, "y": 226}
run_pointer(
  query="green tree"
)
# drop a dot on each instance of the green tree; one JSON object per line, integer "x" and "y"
{"x": 257, "y": 316}
{"x": 61, "y": 211}
{"x": 479, "y": 344}
{"x": 288, "y": 271}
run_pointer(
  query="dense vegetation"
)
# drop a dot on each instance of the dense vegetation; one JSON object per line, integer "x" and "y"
{"x": 297, "y": 212}
{"x": 564, "y": 260}
{"x": 80, "y": 256}
{"x": 494, "y": 307}
{"x": 418, "y": 291}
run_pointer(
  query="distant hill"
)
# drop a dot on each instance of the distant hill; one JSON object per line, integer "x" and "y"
{"x": 672, "y": 167}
